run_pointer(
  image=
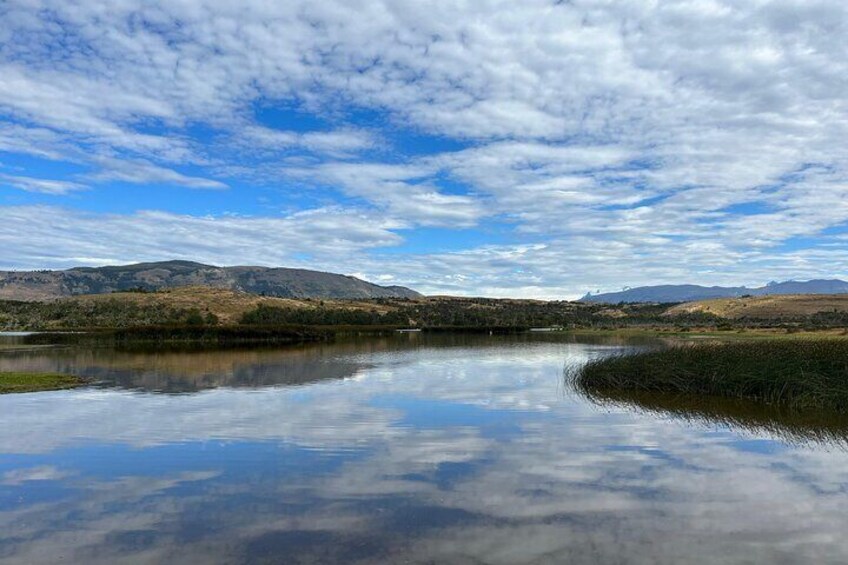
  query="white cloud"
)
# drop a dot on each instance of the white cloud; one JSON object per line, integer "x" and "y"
{"x": 44, "y": 186}
{"x": 405, "y": 191}
{"x": 342, "y": 240}
{"x": 63, "y": 237}
{"x": 341, "y": 143}
{"x": 607, "y": 125}
{"x": 145, "y": 172}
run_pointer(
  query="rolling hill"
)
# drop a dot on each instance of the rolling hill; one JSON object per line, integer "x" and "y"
{"x": 277, "y": 282}
{"x": 772, "y": 307}
{"x": 227, "y": 305}
{"x": 691, "y": 292}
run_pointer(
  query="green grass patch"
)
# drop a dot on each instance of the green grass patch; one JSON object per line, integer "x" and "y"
{"x": 810, "y": 373}
{"x": 35, "y": 382}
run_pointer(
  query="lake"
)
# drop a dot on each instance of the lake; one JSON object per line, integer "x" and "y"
{"x": 408, "y": 449}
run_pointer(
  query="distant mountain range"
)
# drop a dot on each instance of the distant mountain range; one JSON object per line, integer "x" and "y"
{"x": 280, "y": 282}
{"x": 691, "y": 292}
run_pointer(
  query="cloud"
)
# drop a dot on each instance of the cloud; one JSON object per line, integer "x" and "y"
{"x": 44, "y": 186}
{"x": 348, "y": 240}
{"x": 145, "y": 172}
{"x": 340, "y": 143}
{"x": 39, "y": 142}
{"x": 617, "y": 123}
{"x": 66, "y": 238}
{"x": 405, "y": 191}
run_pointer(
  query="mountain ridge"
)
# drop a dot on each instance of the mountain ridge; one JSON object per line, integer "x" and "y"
{"x": 279, "y": 282}
{"x": 691, "y": 292}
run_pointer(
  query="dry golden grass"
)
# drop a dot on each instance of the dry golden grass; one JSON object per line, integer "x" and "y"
{"x": 766, "y": 307}
{"x": 612, "y": 313}
{"x": 228, "y": 305}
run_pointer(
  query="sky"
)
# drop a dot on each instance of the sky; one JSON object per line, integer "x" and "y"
{"x": 526, "y": 149}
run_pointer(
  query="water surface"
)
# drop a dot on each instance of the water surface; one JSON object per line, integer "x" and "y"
{"x": 418, "y": 449}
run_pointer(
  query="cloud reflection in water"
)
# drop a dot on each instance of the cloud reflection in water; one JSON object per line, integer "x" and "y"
{"x": 447, "y": 452}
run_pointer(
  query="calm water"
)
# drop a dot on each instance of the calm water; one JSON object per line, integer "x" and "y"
{"x": 404, "y": 450}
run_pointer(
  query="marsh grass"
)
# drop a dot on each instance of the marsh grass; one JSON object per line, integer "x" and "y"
{"x": 35, "y": 382}
{"x": 808, "y": 373}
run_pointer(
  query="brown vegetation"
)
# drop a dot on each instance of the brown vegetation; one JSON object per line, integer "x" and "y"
{"x": 787, "y": 306}
{"x": 229, "y": 306}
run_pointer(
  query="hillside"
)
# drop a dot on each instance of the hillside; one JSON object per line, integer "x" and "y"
{"x": 167, "y": 306}
{"x": 766, "y": 307}
{"x": 207, "y": 307}
{"x": 204, "y": 306}
{"x": 691, "y": 292}
{"x": 279, "y": 282}
{"x": 227, "y": 305}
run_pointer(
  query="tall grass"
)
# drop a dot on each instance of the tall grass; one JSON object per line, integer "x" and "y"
{"x": 809, "y": 373}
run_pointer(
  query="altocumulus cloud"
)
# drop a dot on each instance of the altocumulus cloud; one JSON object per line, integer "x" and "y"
{"x": 537, "y": 148}
{"x": 102, "y": 238}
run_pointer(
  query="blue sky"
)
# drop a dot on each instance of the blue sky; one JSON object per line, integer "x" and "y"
{"x": 539, "y": 149}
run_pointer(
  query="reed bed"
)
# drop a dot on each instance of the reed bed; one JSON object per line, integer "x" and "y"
{"x": 808, "y": 373}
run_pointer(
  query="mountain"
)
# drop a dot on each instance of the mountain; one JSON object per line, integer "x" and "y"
{"x": 691, "y": 292}
{"x": 286, "y": 283}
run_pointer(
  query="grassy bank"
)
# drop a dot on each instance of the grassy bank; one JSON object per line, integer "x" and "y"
{"x": 35, "y": 382}
{"x": 810, "y": 373}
